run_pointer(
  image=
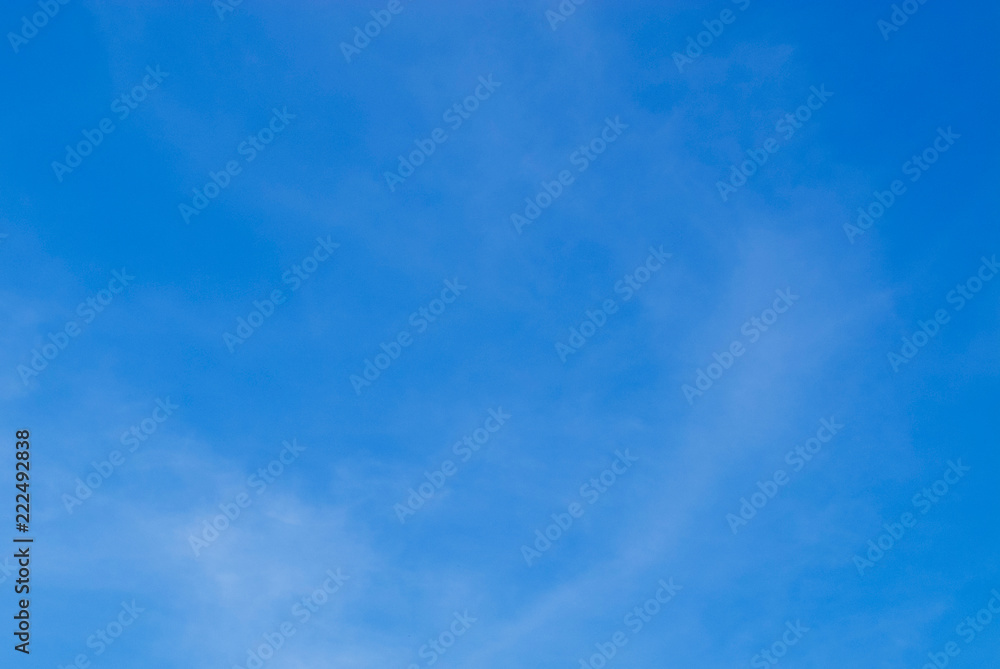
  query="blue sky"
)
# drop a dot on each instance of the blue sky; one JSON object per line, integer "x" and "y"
{"x": 310, "y": 222}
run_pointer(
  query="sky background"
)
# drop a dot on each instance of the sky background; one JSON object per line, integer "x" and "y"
{"x": 494, "y": 347}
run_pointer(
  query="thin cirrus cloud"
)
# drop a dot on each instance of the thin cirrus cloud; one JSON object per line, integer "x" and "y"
{"x": 495, "y": 346}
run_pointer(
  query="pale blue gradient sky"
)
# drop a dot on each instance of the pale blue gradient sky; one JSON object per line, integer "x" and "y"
{"x": 495, "y": 345}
